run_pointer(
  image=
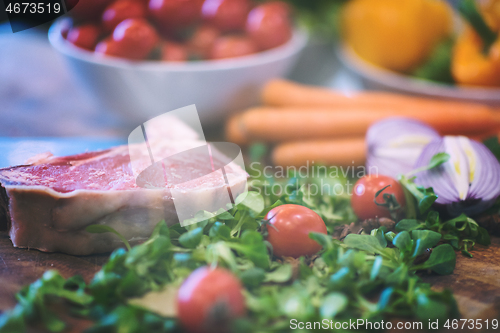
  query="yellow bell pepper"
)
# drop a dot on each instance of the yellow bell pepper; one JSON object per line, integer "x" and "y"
{"x": 476, "y": 55}
{"x": 491, "y": 13}
{"x": 470, "y": 65}
{"x": 395, "y": 34}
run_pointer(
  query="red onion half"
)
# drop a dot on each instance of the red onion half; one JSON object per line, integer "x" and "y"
{"x": 394, "y": 144}
{"x": 468, "y": 183}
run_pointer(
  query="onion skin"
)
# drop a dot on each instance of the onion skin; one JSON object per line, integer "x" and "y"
{"x": 472, "y": 189}
{"x": 394, "y": 145}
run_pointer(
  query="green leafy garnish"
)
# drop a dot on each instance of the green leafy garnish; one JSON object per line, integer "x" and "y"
{"x": 371, "y": 276}
{"x": 100, "y": 229}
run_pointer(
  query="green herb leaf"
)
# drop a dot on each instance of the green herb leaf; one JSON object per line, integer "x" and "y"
{"x": 192, "y": 238}
{"x": 377, "y": 265}
{"x": 220, "y": 231}
{"x": 252, "y": 246}
{"x": 441, "y": 261}
{"x": 427, "y": 238}
{"x": 100, "y": 229}
{"x": 426, "y": 203}
{"x": 281, "y": 274}
{"x": 332, "y": 305}
{"x": 324, "y": 240}
{"x": 251, "y": 201}
{"x": 403, "y": 241}
{"x": 438, "y": 159}
{"x": 408, "y": 225}
{"x": 253, "y": 277}
{"x": 366, "y": 243}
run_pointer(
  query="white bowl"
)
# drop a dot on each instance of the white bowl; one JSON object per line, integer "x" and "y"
{"x": 143, "y": 90}
{"x": 375, "y": 77}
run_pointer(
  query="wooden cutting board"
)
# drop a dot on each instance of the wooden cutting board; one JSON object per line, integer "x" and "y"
{"x": 475, "y": 282}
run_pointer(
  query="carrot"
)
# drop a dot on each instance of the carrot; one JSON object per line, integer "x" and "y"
{"x": 269, "y": 124}
{"x": 283, "y": 93}
{"x": 234, "y": 131}
{"x": 485, "y": 134}
{"x": 287, "y": 93}
{"x": 341, "y": 152}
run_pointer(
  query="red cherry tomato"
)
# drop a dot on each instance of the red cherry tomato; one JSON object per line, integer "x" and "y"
{"x": 174, "y": 14}
{"x": 290, "y": 228}
{"x": 122, "y": 10}
{"x": 269, "y": 24}
{"x": 172, "y": 51}
{"x": 84, "y": 36}
{"x": 363, "y": 196}
{"x": 135, "y": 39}
{"x": 208, "y": 299}
{"x": 87, "y": 9}
{"x": 226, "y": 15}
{"x": 232, "y": 47}
{"x": 108, "y": 47}
{"x": 202, "y": 40}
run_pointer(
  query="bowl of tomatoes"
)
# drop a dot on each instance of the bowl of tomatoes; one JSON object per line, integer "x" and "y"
{"x": 146, "y": 57}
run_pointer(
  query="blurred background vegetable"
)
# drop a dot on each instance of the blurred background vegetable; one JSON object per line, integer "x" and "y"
{"x": 394, "y": 34}
{"x": 476, "y": 56}
{"x": 394, "y": 145}
{"x": 320, "y": 17}
{"x": 427, "y": 39}
{"x": 468, "y": 183}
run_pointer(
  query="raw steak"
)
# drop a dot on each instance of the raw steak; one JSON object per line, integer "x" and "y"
{"x": 47, "y": 204}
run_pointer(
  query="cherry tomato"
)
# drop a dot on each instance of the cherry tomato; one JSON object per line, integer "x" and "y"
{"x": 202, "y": 40}
{"x": 174, "y": 14}
{"x": 269, "y": 24}
{"x": 363, "y": 196}
{"x": 108, "y": 47}
{"x": 208, "y": 299}
{"x": 122, "y": 10}
{"x": 135, "y": 38}
{"x": 87, "y": 9}
{"x": 172, "y": 51}
{"x": 231, "y": 47}
{"x": 290, "y": 228}
{"x": 84, "y": 36}
{"x": 226, "y": 15}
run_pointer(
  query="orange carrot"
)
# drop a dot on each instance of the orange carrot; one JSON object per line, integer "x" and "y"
{"x": 485, "y": 134}
{"x": 234, "y": 131}
{"x": 289, "y": 94}
{"x": 340, "y": 152}
{"x": 268, "y": 124}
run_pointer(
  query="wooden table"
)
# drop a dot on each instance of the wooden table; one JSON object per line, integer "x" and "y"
{"x": 19, "y": 267}
{"x": 475, "y": 282}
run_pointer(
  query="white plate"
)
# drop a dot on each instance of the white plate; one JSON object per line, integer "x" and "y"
{"x": 375, "y": 77}
{"x": 143, "y": 90}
